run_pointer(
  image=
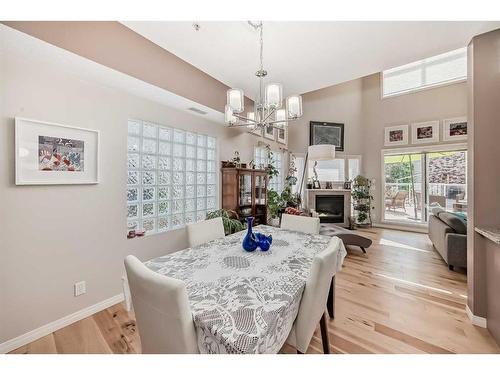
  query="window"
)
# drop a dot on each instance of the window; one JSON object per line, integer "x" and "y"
{"x": 337, "y": 170}
{"x": 261, "y": 161}
{"x": 414, "y": 182}
{"x": 438, "y": 70}
{"x": 171, "y": 177}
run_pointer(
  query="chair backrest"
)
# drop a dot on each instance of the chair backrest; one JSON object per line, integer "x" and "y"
{"x": 401, "y": 195}
{"x": 162, "y": 310}
{"x": 204, "y": 231}
{"x": 313, "y": 302}
{"x": 302, "y": 224}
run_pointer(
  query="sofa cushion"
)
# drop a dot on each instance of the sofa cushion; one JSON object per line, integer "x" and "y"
{"x": 453, "y": 221}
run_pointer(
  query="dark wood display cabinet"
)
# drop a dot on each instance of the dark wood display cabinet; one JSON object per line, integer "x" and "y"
{"x": 245, "y": 191}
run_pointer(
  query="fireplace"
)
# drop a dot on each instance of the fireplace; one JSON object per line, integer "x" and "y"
{"x": 330, "y": 208}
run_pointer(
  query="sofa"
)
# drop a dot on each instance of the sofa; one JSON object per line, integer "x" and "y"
{"x": 448, "y": 233}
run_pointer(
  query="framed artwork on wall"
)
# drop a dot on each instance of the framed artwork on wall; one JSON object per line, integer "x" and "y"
{"x": 269, "y": 133}
{"x": 51, "y": 154}
{"x": 329, "y": 133}
{"x": 425, "y": 132}
{"x": 257, "y": 131}
{"x": 396, "y": 135}
{"x": 455, "y": 129}
{"x": 282, "y": 134}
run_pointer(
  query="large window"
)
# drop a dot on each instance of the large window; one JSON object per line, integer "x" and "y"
{"x": 438, "y": 70}
{"x": 171, "y": 177}
{"x": 261, "y": 161}
{"x": 415, "y": 182}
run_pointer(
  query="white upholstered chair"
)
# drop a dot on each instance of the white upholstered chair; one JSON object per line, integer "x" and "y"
{"x": 312, "y": 304}
{"x": 304, "y": 224}
{"x": 204, "y": 231}
{"x": 161, "y": 309}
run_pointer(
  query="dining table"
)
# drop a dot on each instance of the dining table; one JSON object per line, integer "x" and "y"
{"x": 246, "y": 302}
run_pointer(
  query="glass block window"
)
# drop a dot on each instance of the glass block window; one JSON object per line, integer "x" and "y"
{"x": 171, "y": 177}
{"x": 435, "y": 71}
{"x": 261, "y": 161}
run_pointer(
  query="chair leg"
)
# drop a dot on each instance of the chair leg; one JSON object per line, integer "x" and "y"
{"x": 324, "y": 335}
{"x": 299, "y": 352}
{"x": 450, "y": 267}
{"x": 363, "y": 249}
{"x": 330, "y": 303}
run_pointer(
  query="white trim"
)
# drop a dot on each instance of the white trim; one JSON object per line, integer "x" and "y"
{"x": 420, "y": 149}
{"x": 48, "y": 328}
{"x": 476, "y": 320}
{"x": 421, "y": 88}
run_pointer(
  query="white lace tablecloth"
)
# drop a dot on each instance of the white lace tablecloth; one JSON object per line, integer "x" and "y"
{"x": 246, "y": 302}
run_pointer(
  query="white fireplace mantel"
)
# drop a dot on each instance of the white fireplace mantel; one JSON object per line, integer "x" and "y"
{"x": 311, "y": 201}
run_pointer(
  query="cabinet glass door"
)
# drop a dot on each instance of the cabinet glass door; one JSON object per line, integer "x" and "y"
{"x": 245, "y": 189}
{"x": 260, "y": 189}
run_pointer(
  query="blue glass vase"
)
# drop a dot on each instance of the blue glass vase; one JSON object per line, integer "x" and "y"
{"x": 264, "y": 241}
{"x": 249, "y": 242}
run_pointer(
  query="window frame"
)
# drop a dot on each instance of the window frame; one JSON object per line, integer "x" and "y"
{"x": 423, "y": 63}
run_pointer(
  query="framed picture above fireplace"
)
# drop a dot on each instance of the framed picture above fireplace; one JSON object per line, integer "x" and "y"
{"x": 326, "y": 133}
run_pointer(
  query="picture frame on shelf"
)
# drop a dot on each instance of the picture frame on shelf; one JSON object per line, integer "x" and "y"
{"x": 330, "y": 133}
{"x": 270, "y": 133}
{"x": 396, "y": 135}
{"x": 54, "y": 154}
{"x": 455, "y": 129}
{"x": 282, "y": 135}
{"x": 425, "y": 132}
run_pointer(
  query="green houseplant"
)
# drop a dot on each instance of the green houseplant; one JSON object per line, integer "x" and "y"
{"x": 229, "y": 219}
{"x": 362, "y": 200}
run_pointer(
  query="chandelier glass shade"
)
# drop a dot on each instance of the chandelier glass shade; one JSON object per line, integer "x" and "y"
{"x": 270, "y": 110}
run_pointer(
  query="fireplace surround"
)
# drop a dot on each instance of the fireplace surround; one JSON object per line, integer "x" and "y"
{"x": 331, "y": 205}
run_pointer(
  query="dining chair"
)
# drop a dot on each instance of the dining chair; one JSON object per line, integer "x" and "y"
{"x": 302, "y": 224}
{"x": 312, "y": 304}
{"x": 161, "y": 309}
{"x": 204, "y": 231}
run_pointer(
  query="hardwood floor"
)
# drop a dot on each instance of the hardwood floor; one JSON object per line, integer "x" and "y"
{"x": 400, "y": 297}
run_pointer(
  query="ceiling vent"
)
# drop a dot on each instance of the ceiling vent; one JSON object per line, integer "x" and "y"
{"x": 196, "y": 110}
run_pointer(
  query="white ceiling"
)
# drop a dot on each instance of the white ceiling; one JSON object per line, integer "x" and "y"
{"x": 306, "y": 56}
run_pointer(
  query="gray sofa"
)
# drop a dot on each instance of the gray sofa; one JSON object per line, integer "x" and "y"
{"x": 448, "y": 234}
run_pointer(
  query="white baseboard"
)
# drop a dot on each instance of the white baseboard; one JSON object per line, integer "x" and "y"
{"x": 46, "y": 329}
{"x": 476, "y": 320}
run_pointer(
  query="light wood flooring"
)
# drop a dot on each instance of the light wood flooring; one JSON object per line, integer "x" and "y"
{"x": 400, "y": 297}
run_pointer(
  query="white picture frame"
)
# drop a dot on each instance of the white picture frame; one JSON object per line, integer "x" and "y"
{"x": 425, "y": 132}
{"x": 282, "y": 135}
{"x": 269, "y": 132}
{"x": 455, "y": 129}
{"x": 396, "y": 135}
{"x": 258, "y": 131}
{"x": 54, "y": 154}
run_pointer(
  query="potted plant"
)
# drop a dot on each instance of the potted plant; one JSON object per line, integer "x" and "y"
{"x": 230, "y": 219}
{"x": 362, "y": 200}
{"x": 275, "y": 204}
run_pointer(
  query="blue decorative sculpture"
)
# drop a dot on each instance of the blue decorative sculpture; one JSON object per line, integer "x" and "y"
{"x": 249, "y": 242}
{"x": 264, "y": 241}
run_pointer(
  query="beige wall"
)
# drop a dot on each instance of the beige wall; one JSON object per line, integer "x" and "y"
{"x": 433, "y": 104}
{"x": 53, "y": 236}
{"x": 483, "y": 256}
{"x": 359, "y": 105}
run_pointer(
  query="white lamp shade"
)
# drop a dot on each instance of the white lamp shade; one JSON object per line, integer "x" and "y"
{"x": 294, "y": 106}
{"x": 229, "y": 117}
{"x": 236, "y": 100}
{"x": 273, "y": 95}
{"x": 281, "y": 117}
{"x": 321, "y": 152}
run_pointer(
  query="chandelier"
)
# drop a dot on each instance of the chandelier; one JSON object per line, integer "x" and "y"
{"x": 268, "y": 111}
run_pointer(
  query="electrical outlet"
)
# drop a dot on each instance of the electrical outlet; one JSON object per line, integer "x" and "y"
{"x": 80, "y": 288}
